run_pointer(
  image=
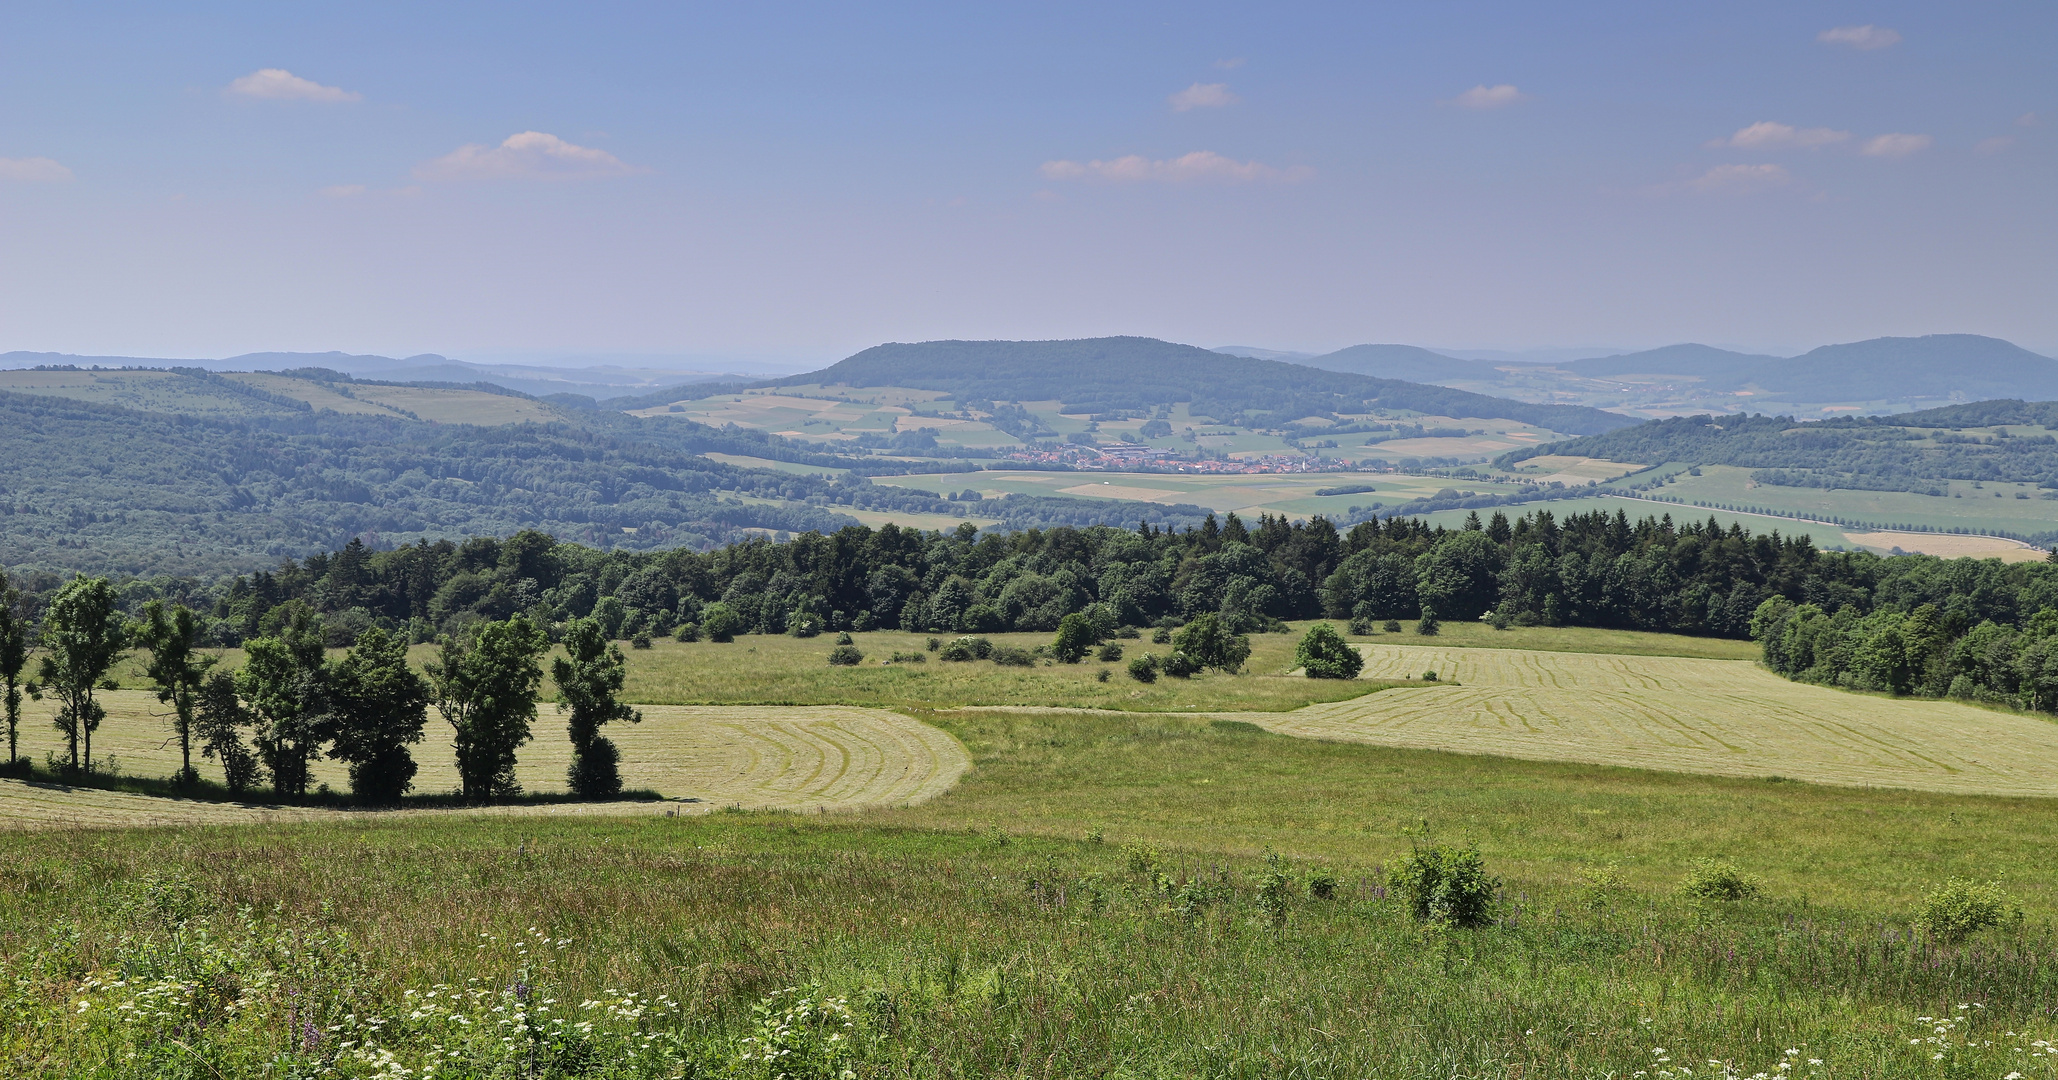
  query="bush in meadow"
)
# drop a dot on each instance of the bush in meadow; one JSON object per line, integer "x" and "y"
{"x": 1144, "y": 669}
{"x": 1076, "y": 637}
{"x": 1445, "y": 886}
{"x": 720, "y": 622}
{"x": 1718, "y": 879}
{"x": 1325, "y": 655}
{"x": 845, "y": 656}
{"x": 1209, "y": 642}
{"x": 1959, "y": 908}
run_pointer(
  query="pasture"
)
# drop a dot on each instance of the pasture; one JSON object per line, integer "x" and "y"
{"x": 1246, "y": 494}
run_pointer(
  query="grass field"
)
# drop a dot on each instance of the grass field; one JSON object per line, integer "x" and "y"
{"x": 1292, "y": 494}
{"x": 1091, "y": 898}
{"x": 159, "y": 391}
{"x": 1993, "y": 505}
{"x": 1579, "y": 639}
{"x": 1725, "y": 717}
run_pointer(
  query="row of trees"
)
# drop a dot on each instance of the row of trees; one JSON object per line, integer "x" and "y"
{"x": 291, "y": 702}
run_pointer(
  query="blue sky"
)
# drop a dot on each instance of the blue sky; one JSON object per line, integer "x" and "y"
{"x": 799, "y": 181}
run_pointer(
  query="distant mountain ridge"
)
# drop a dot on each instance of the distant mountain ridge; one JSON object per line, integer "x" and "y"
{"x": 597, "y": 382}
{"x": 1122, "y": 373}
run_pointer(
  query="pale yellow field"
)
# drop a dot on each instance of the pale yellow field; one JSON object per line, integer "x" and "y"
{"x": 757, "y": 757}
{"x": 1949, "y": 545}
{"x": 1726, "y": 717}
{"x": 1574, "y": 471}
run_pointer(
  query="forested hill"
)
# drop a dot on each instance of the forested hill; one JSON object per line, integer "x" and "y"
{"x": 1114, "y": 373}
{"x": 1923, "y": 445}
{"x": 111, "y": 490}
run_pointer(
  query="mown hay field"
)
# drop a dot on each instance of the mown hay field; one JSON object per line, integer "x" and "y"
{"x": 756, "y": 757}
{"x": 1724, "y": 717}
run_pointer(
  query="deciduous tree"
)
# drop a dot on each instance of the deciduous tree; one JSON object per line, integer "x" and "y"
{"x": 177, "y": 666}
{"x": 1324, "y": 654}
{"x": 82, "y": 638}
{"x": 377, "y": 707}
{"x": 283, "y": 682}
{"x": 14, "y": 657}
{"x": 589, "y": 678}
{"x": 485, "y": 685}
{"x": 1207, "y": 642}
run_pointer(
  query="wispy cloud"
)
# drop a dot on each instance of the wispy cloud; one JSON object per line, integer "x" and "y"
{"x": 1202, "y": 165}
{"x": 1767, "y": 133}
{"x": 1230, "y": 64}
{"x": 532, "y": 155}
{"x": 278, "y": 84}
{"x": 1740, "y": 179}
{"x": 1203, "y": 96}
{"x": 1863, "y": 38}
{"x": 1994, "y": 145}
{"x": 2028, "y": 119}
{"x": 1896, "y": 145}
{"x": 1489, "y": 97}
{"x": 33, "y": 170}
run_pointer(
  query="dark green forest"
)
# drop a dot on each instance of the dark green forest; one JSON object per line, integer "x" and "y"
{"x": 109, "y": 490}
{"x": 1905, "y": 452}
{"x": 1101, "y": 375}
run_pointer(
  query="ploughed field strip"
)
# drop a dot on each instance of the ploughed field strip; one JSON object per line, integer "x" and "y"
{"x": 756, "y": 757}
{"x": 1726, "y": 717}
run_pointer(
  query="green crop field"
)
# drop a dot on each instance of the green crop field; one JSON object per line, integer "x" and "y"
{"x": 2006, "y": 507}
{"x": 1248, "y": 495}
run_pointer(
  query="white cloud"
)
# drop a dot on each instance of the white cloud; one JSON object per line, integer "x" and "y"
{"x": 1862, "y": 38}
{"x": 32, "y": 169}
{"x": 528, "y": 155}
{"x": 1740, "y": 179}
{"x": 1203, "y": 96}
{"x": 1896, "y": 145}
{"x": 343, "y": 191}
{"x": 278, "y": 84}
{"x": 1766, "y": 133}
{"x": 1490, "y": 97}
{"x": 1199, "y": 165}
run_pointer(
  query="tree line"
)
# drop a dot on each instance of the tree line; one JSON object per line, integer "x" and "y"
{"x": 291, "y": 702}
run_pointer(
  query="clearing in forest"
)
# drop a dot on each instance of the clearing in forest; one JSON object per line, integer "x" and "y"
{"x": 756, "y": 757}
{"x": 1724, "y": 717}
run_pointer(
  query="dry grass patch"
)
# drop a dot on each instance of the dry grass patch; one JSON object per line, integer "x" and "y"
{"x": 1723, "y": 717}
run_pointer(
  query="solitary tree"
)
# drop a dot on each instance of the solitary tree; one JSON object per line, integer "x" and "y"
{"x": 285, "y": 686}
{"x": 82, "y": 638}
{"x": 176, "y": 664}
{"x": 589, "y": 676}
{"x": 1207, "y": 642}
{"x": 1324, "y": 654}
{"x": 1075, "y": 636}
{"x": 218, "y": 722}
{"x": 485, "y": 685}
{"x": 377, "y": 707}
{"x": 14, "y": 656}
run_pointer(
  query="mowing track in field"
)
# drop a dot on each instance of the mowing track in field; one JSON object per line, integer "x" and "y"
{"x": 756, "y": 757}
{"x": 1727, "y": 717}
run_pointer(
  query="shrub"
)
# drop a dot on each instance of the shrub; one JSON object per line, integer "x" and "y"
{"x": 640, "y": 641}
{"x": 966, "y": 648}
{"x": 720, "y": 622}
{"x": 1325, "y": 655}
{"x": 1013, "y": 656}
{"x": 1075, "y": 638}
{"x": 1321, "y": 884}
{"x": 1363, "y": 627}
{"x": 846, "y": 656}
{"x": 1211, "y": 644}
{"x": 1393, "y": 626}
{"x": 1717, "y": 879}
{"x": 910, "y": 658}
{"x": 843, "y": 638}
{"x": 1144, "y": 669}
{"x": 1959, "y": 908}
{"x": 1445, "y": 886}
{"x": 1110, "y": 652}
{"x": 1161, "y": 636}
{"x": 1179, "y": 666}
{"x": 1101, "y": 675}
{"x": 1498, "y": 619}
{"x": 687, "y": 631}
{"x": 1429, "y": 676}
{"x": 1428, "y": 625}
{"x": 1599, "y": 885}
{"x": 934, "y": 644}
